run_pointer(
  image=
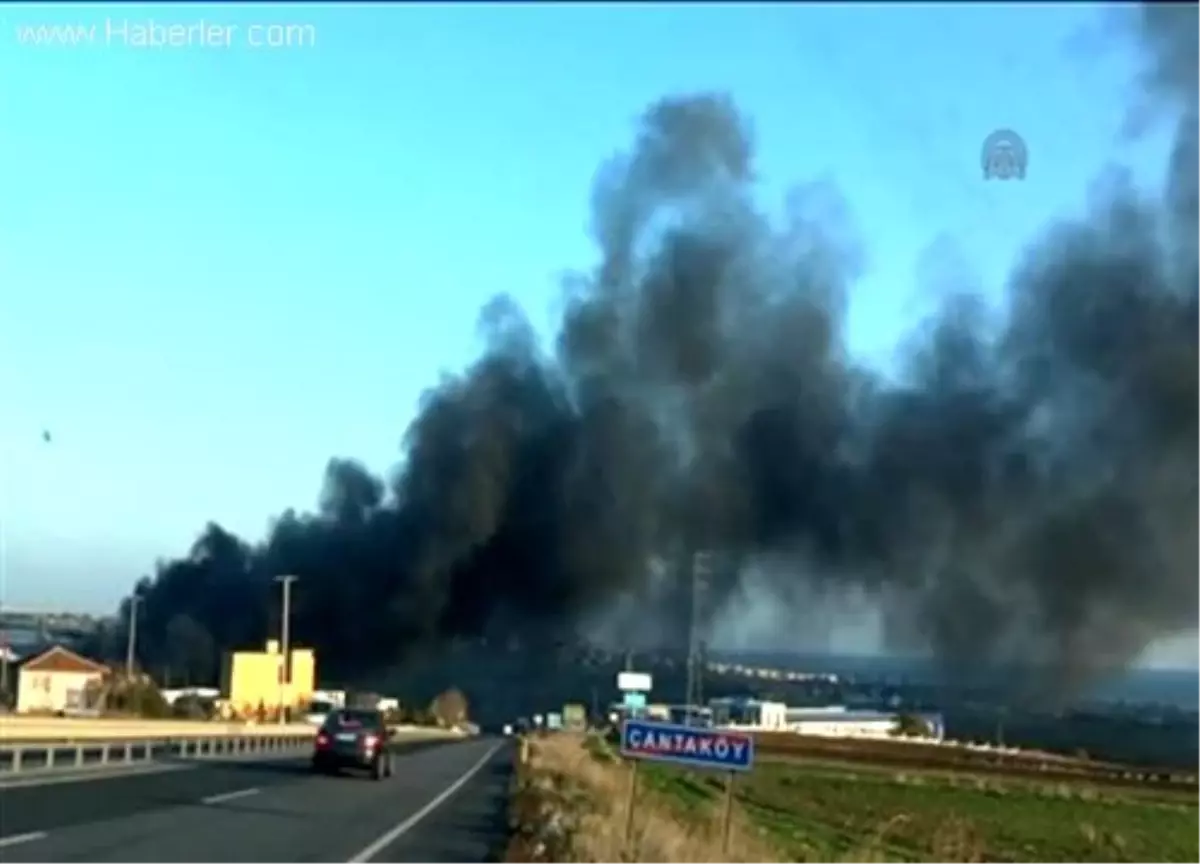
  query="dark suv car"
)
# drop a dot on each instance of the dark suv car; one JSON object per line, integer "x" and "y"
{"x": 353, "y": 738}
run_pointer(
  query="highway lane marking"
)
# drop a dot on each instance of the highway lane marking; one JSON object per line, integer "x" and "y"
{"x": 21, "y": 838}
{"x": 116, "y": 771}
{"x": 88, "y": 775}
{"x": 229, "y": 796}
{"x": 412, "y": 821}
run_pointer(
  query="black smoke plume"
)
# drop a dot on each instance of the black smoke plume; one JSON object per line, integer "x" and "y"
{"x": 1024, "y": 493}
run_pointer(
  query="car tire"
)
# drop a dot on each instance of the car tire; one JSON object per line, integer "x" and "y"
{"x": 391, "y": 766}
{"x": 377, "y": 768}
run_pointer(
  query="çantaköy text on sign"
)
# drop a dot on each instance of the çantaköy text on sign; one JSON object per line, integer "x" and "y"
{"x": 704, "y": 747}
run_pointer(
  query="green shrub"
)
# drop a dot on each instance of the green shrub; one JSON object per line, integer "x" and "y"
{"x": 139, "y": 697}
{"x": 191, "y": 707}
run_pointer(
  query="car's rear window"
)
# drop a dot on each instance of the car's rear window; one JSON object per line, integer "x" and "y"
{"x": 354, "y": 719}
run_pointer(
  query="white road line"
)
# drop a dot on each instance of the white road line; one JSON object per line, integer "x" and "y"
{"x": 21, "y": 838}
{"x": 412, "y": 821}
{"x": 228, "y": 796}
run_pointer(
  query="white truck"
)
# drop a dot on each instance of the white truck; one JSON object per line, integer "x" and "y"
{"x": 322, "y": 703}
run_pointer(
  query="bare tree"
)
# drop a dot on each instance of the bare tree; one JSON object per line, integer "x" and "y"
{"x": 449, "y": 708}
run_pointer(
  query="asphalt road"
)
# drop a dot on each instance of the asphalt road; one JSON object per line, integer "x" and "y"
{"x": 445, "y": 803}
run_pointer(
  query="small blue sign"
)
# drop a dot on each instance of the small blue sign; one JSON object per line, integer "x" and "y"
{"x": 632, "y": 699}
{"x": 687, "y": 745}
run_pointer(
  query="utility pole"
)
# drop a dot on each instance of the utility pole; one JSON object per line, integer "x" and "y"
{"x": 135, "y": 601}
{"x": 285, "y": 669}
{"x": 698, "y": 564}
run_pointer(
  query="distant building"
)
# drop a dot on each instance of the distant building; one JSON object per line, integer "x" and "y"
{"x": 749, "y": 713}
{"x": 30, "y": 632}
{"x": 690, "y": 715}
{"x": 255, "y": 679}
{"x": 839, "y": 722}
{"x": 832, "y": 721}
{"x": 58, "y": 680}
{"x": 680, "y": 715}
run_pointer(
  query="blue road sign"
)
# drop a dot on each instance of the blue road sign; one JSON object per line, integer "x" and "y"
{"x": 687, "y": 745}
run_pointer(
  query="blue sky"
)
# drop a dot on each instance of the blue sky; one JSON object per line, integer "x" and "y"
{"x": 218, "y": 267}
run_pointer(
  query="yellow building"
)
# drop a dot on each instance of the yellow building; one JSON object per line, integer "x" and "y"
{"x": 255, "y": 678}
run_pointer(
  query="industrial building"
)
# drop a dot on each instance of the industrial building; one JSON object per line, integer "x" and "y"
{"x": 681, "y": 715}
{"x": 840, "y": 722}
{"x": 256, "y": 681}
{"x": 833, "y": 721}
{"x": 760, "y": 715}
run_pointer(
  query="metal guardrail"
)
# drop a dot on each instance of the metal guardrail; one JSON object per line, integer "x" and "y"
{"x": 19, "y": 758}
{"x": 24, "y": 729}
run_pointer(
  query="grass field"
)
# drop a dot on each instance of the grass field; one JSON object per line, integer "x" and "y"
{"x": 797, "y": 808}
{"x": 569, "y": 804}
{"x": 823, "y": 812}
{"x": 912, "y": 754}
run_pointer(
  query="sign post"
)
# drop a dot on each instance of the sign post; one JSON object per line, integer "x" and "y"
{"x": 689, "y": 746}
{"x": 727, "y": 816}
{"x": 630, "y": 800}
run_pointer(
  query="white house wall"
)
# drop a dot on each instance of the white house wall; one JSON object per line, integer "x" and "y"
{"x": 51, "y": 691}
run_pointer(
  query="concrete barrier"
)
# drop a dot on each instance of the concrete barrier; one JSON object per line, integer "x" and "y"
{"x": 16, "y": 727}
{"x": 33, "y": 755}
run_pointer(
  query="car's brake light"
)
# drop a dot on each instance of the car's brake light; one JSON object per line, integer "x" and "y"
{"x": 322, "y": 741}
{"x": 370, "y": 741}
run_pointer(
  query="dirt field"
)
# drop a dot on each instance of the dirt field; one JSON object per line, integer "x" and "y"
{"x": 809, "y": 809}
{"x": 907, "y": 754}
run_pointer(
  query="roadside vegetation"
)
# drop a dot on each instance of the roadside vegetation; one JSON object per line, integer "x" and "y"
{"x": 793, "y": 809}
{"x": 118, "y": 695}
{"x": 569, "y": 804}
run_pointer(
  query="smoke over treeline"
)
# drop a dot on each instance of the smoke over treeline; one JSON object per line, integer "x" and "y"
{"x": 1025, "y": 492}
